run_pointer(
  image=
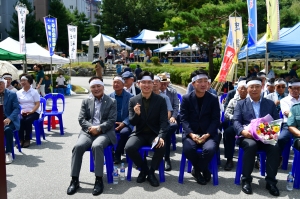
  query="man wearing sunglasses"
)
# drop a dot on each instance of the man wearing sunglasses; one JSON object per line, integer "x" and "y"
{"x": 278, "y": 94}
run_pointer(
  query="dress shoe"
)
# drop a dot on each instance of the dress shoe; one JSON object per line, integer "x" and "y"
{"x": 199, "y": 177}
{"x": 98, "y": 187}
{"x": 142, "y": 177}
{"x": 246, "y": 188}
{"x": 273, "y": 190}
{"x": 74, "y": 185}
{"x": 229, "y": 165}
{"x": 153, "y": 181}
{"x": 26, "y": 144}
{"x": 207, "y": 175}
{"x": 168, "y": 166}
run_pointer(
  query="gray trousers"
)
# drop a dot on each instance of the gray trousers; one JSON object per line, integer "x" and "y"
{"x": 84, "y": 142}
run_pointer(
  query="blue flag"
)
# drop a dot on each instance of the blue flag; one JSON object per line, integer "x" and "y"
{"x": 252, "y": 22}
{"x": 51, "y": 33}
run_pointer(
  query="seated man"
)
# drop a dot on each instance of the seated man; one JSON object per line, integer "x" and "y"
{"x": 97, "y": 119}
{"x": 129, "y": 83}
{"x": 251, "y": 108}
{"x": 270, "y": 87}
{"x": 286, "y": 104}
{"x": 229, "y": 133}
{"x": 8, "y": 78}
{"x": 294, "y": 125}
{"x": 278, "y": 94}
{"x": 172, "y": 94}
{"x": 200, "y": 118}
{"x": 11, "y": 110}
{"x": 123, "y": 127}
{"x": 148, "y": 112}
{"x": 60, "y": 80}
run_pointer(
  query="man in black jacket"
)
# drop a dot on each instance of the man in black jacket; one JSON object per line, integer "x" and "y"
{"x": 148, "y": 112}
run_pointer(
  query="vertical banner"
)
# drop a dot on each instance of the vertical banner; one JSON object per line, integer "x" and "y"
{"x": 51, "y": 33}
{"x": 273, "y": 20}
{"x": 72, "y": 35}
{"x": 22, "y": 12}
{"x": 237, "y": 31}
{"x": 252, "y": 22}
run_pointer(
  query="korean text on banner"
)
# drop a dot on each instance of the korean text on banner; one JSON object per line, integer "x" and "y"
{"x": 228, "y": 56}
{"x": 72, "y": 35}
{"x": 273, "y": 26}
{"x": 22, "y": 12}
{"x": 51, "y": 33}
{"x": 237, "y": 31}
{"x": 252, "y": 22}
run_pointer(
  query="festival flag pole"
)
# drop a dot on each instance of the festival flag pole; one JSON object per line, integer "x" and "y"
{"x": 72, "y": 38}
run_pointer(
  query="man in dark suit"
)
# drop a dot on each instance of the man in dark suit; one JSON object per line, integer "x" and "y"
{"x": 200, "y": 118}
{"x": 148, "y": 112}
{"x": 123, "y": 127}
{"x": 251, "y": 108}
{"x": 129, "y": 83}
{"x": 11, "y": 110}
{"x": 172, "y": 94}
{"x": 97, "y": 119}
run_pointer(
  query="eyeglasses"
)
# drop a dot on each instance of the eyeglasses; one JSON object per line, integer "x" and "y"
{"x": 281, "y": 87}
{"x": 295, "y": 88}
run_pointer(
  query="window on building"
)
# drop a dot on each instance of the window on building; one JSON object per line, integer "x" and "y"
{"x": 71, "y": 7}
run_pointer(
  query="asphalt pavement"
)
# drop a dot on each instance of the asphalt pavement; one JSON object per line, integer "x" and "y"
{"x": 44, "y": 171}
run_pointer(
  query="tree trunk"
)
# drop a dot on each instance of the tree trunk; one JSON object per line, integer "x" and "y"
{"x": 210, "y": 58}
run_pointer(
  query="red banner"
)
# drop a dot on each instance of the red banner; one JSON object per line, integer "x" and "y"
{"x": 226, "y": 63}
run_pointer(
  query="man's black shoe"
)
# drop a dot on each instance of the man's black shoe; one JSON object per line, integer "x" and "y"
{"x": 153, "y": 181}
{"x": 207, "y": 175}
{"x": 246, "y": 188}
{"x": 273, "y": 190}
{"x": 168, "y": 166}
{"x": 142, "y": 177}
{"x": 198, "y": 176}
{"x": 257, "y": 164}
{"x": 98, "y": 187}
{"x": 74, "y": 185}
{"x": 229, "y": 165}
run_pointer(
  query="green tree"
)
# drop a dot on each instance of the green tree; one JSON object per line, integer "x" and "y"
{"x": 203, "y": 25}
{"x": 64, "y": 17}
{"x": 33, "y": 29}
{"x": 125, "y": 18}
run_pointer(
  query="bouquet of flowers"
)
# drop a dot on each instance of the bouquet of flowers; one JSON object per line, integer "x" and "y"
{"x": 265, "y": 129}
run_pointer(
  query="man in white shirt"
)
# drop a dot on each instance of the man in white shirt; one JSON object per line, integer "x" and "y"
{"x": 129, "y": 83}
{"x": 286, "y": 105}
{"x": 271, "y": 73}
{"x": 60, "y": 80}
{"x": 279, "y": 93}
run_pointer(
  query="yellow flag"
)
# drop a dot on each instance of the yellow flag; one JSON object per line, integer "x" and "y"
{"x": 273, "y": 25}
{"x": 231, "y": 73}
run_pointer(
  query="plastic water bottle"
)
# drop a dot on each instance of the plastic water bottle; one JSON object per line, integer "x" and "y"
{"x": 290, "y": 182}
{"x": 116, "y": 175}
{"x": 104, "y": 166}
{"x": 122, "y": 172}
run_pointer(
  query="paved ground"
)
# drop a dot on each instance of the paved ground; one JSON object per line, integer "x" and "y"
{"x": 44, "y": 171}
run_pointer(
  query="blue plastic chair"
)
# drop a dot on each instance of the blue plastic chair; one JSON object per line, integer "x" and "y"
{"x": 280, "y": 115}
{"x": 239, "y": 165}
{"x": 295, "y": 169}
{"x": 59, "y": 90}
{"x": 213, "y": 167}
{"x": 54, "y": 110}
{"x": 142, "y": 151}
{"x": 286, "y": 154}
{"x": 179, "y": 125}
{"x": 108, "y": 162}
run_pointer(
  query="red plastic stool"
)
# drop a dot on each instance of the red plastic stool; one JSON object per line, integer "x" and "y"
{"x": 54, "y": 122}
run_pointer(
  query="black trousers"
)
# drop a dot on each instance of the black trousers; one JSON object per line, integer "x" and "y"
{"x": 124, "y": 134}
{"x": 297, "y": 144}
{"x": 229, "y": 142}
{"x": 199, "y": 161}
{"x": 250, "y": 148}
{"x": 135, "y": 142}
{"x": 172, "y": 129}
{"x": 26, "y": 125}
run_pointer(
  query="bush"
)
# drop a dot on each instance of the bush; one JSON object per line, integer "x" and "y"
{"x": 155, "y": 61}
{"x": 132, "y": 66}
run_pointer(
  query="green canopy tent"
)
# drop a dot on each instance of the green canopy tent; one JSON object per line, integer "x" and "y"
{"x": 6, "y": 55}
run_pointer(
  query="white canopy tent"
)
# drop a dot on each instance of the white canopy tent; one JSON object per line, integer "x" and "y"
{"x": 149, "y": 37}
{"x": 108, "y": 41}
{"x": 123, "y": 45}
{"x": 170, "y": 48}
{"x": 34, "y": 52}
